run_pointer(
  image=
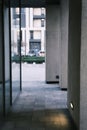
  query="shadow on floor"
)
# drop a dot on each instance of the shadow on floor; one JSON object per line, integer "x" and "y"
{"x": 57, "y": 119}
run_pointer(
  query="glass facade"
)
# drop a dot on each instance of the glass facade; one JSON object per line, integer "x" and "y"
{"x": 12, "y": 31}
{"x": 1, "y": 69}
{"x": 15, "y": 52}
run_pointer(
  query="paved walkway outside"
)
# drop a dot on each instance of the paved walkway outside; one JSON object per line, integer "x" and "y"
{"x": 33, "y": 72}
{"x": 36, "y": 94}
{"x": 30, "y": 72}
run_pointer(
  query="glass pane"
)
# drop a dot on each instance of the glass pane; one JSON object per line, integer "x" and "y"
{"x": 15, "y": 51}
{"x": 6, "y": 59}
{"x": 1, "y": 98}
{"x": 1, "y": 85}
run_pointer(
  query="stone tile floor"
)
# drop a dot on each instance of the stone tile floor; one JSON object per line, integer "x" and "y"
{"x": 39, "y": 106}
{"x": 56, "y": 119}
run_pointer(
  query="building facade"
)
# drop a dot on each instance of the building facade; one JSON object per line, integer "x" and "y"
{"x": 32, "y": 30}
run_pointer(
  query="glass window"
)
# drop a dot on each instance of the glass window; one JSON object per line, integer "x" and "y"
{"x": 17, "y": 10}
{"x": 23, "y": 10}
{"x": 31, "y": 34}
{"x": 43, "y": 11}
{"x": 42, "y": 23}
{"x": 17, "y": 21}
{"x": 35, "y": 46}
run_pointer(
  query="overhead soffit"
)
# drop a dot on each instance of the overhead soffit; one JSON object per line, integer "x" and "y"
{"x": 31, "y": 3}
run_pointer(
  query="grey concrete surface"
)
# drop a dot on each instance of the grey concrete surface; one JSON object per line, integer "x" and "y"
{"x": 63, "y": 49}
{"x": 83, "y": 69}
{"x": 52, "y": 42}
{"x": 74, "y": 59}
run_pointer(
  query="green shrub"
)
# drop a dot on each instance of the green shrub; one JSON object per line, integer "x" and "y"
{"x": 28, "y": 59}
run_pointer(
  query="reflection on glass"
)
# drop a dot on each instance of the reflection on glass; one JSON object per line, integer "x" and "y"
{"x": 1, "y": 99}
{"x": 1, "y": 67}
{"x": 15, "y": 51}
{"x": 7, "y": 95}
{"x": 7, "y": 63}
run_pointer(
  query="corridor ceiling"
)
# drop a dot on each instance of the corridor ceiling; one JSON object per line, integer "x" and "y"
{"x": 31, "y": 3}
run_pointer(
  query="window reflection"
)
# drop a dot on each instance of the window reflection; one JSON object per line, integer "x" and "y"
{"x": 1, "y": 98}
{"x": 15, "y": 51}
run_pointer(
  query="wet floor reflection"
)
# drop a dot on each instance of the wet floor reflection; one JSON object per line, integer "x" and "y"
{"x": 7, "y": 95}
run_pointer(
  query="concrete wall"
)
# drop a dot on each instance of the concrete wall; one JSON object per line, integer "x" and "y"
{"x": 74, "y": 59}
{"x": 64, "y": 15}
{"x": 83, "y": 81}
{"x": 52, "y": 42}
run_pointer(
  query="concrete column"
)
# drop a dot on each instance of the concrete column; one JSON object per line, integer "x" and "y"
{"x": 27, "y": 30}
{"x": 83, "y": 71}
{"x": 31, "y": 17}
{"x": 27, "y": 40}
{"x": 23, "y": 35}
{"x": 42, "y": 39}
{"x": 15, "y": 35}
{"x": 64, "y": 15}
{"x": 27, "y": 17}
{"x": 52, "y": 43}
{"x": 74, "y": 59}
